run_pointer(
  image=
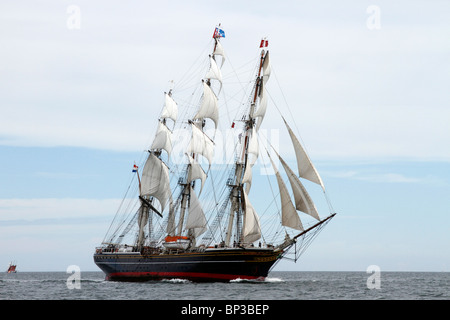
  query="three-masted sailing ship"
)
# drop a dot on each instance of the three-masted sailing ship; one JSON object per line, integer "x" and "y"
{"x": 190, "y": 221}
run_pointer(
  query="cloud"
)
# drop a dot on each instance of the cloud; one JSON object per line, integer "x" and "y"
{"x": 389, "y": 178}
{"x": 354, "y": 93}
{"x": 51, "y": 210}
{"x": 380, "y": 177}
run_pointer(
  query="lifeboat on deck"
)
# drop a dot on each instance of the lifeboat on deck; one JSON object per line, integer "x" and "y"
{"x": 176, "y": 242}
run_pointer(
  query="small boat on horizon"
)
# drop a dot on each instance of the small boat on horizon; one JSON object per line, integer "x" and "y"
{"x": 12, "y": 268}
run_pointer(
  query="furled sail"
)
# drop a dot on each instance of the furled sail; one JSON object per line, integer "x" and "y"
{"x": 196, "y": 219}
{"x": 170, "y": 109}
{"x": 201, "y": 144}
{"x": 155, "y": 180}
{"x": 303, "y": 201}
{"x": 195, "y": 172}
{"x": 162, "y": 138}
{"x": 209, "y": 107}
{"x": 306, "y": 169}
{"x": 252, "y": 228}
{"x": 289, "y": 216}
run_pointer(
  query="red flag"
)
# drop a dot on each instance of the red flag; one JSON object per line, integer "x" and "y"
{"x": 232, "y": 125}
{"x": 264, "y": 43}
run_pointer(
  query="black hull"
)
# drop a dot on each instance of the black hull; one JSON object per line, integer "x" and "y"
{"x": 214, "y": 265}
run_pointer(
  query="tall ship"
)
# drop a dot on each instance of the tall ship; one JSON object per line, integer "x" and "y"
{"x": 189, "y": 211}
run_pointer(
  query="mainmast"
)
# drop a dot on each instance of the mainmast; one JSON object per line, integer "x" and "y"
{"x": 247, "y": 229}
{"x": 200, "y": 144}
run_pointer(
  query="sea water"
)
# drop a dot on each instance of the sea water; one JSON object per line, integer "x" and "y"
{"x": 278, "y": 286}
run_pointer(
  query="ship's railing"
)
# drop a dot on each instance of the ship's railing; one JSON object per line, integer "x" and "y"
{"x": 115, "y": 248}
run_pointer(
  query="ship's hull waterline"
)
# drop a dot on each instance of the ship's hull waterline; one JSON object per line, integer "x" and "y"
{"x": 210, "y": 265}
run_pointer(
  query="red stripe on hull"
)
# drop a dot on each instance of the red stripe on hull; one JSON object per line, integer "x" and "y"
{"x": 181, "y": 275}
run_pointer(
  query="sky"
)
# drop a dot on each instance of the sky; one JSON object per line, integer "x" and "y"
{"x": 367, "y": 82}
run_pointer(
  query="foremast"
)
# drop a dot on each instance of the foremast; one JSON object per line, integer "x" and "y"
{"x": 155, "y": 181}
{"x": 243, "y": 218}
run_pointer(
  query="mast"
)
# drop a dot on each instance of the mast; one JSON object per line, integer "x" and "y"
{"x": 185, "y": 194}
{"x": 247, "y": 220}
{"x": 155, "y": 182}
{"x": 200, "y": 144}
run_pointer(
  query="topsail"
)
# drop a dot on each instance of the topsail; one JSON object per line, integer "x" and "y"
{"x": 170, "y": 110}
{"x": 209, "y": 106}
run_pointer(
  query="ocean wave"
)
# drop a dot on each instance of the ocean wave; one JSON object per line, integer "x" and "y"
{"x": 259, "y": 280}
{"x": 176, "y": 280}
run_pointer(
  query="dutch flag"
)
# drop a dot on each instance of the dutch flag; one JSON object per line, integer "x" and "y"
{"x": 264, "y": 43}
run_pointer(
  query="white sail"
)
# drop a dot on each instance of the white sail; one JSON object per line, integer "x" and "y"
{"x": 219, "y": 52}
{"x": 209, "y": 106}
{"x": 201, "y": 144}
{"x": 195, "y": 172}
{"x": 171, "y": 220}
{"x": 214, "y": 71}
{"x": 261, "y": 112}
{"x": 252, "y": 228}
{"x": 306, "y": 169}
{"x": 247, "y": 178}
{"x": 155, "y": 180}
{"x": 162, "y": 138}
{"x": 303, "y": 201}
{"x": 196, "y": 219}
{"x": 253, "y": 153}
{"x": 170, "y": 109}
{"x": 289, "y": 216}
{"x": 266, "y": 68}
{"x": 253, "y": 148}
{"x": 142, "y": 222}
